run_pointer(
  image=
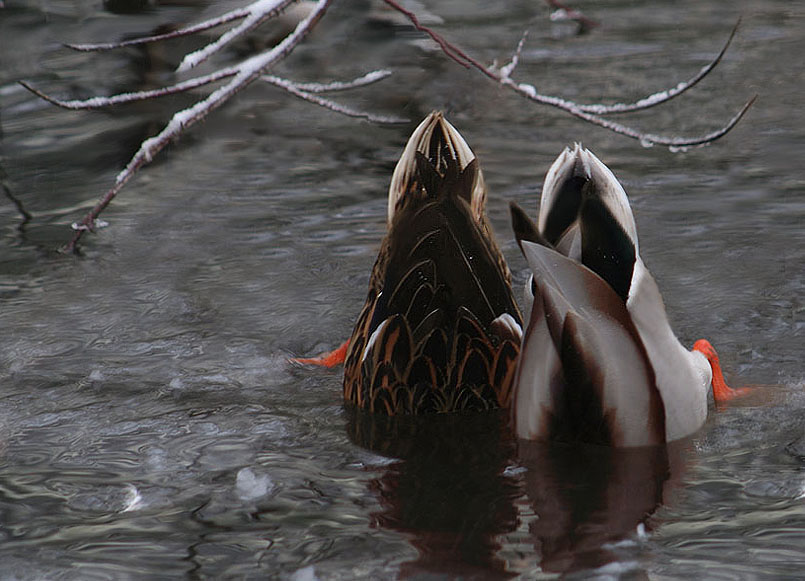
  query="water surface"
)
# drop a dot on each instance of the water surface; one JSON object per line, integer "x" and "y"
{"x": 150, "y": 425}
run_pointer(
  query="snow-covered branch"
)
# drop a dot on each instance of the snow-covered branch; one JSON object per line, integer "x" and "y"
{"x": 247, "y": 11}
{"x": 99, "y": 102}
{"x": 258, "y": 13}
{"x": 590, "y": 113}
{"x": 247, "y": 71}
{"x": 234, "y": 78}
{"x": 306, "y": 91}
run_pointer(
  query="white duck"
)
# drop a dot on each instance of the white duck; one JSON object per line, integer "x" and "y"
{"x": 599, "y": 362}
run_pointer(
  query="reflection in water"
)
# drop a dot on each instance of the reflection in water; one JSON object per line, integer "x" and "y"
{"x": 448, "y": 490}
{"x": 587, "y": 497}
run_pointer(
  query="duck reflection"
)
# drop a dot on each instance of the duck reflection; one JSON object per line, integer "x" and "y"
{"x": 588, "y": 497}
{"x": 451, "y": 491}
{"x": 448, "y": 490}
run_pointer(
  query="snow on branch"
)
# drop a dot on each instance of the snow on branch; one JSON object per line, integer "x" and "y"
{"x": 564, "y": 12}
{"x": 230, "y": 16}
{"x": 367, "y": 79}
{"x": 234, "y": 78}
{"x": 247, "y": 71}
{"x": 99, "y": 102}
{"x": 306, "y": 91}
{"x": 258, "y": 13}
{"x": 666, "y": 95}
{"x": 590, "y": 113}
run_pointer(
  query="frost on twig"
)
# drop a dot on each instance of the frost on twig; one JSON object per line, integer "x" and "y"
{"x": 247, "y": 71}
{"x": 261, "y": 8}
{"x": 590, "y": 113}
{"x": 234, "y": 78}
{"x": 99, "y": 102}
{"x": 306, "y": 91}
{"x": 258, "y": 12}
{"x": 564, "y": 12}
{"x": 237, "y": 78}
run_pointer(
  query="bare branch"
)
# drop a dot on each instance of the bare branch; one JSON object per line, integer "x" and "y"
{"x": 675, "y": 143}
{"x": 99, "y": 102}
{"x": 236, "y": 14}
{"x": 583, "y": 21}
{"x": 665, "y": 95}
{"x": 450, "y": 50}
{"x": 248, "y": 71}
{"x": 367, "y": 79}
{"x": 237, "y": 77}
{"x": 246, "y": 12}
{"x": 294, "y": 89}
{"x": 575, "y": 109}
{"x": 507, "y": 70}
{"x": 26, "y": 215}
{"x": 258, "y": 12}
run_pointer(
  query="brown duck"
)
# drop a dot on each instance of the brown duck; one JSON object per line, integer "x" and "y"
{"x": 440, "y": 330}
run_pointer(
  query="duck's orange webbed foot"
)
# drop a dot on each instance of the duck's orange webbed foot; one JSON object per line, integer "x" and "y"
{"x": 329, "y": 359}
{"x": 721, "y": 391}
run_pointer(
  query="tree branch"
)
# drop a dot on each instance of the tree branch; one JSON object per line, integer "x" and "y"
{"x": 99, "y": 102}
{"x": 584, "y": 111}
{"x": 237, "y": 77}
{"x": 565, "y": 11}
{"x": 258, "y": 12}
{"x": 226, "y": 18}
{"x": 295, "y": 90}
{"x": 248, "y": 71}
{"x": 665, "y": 95}
{"x": 367, "y": 79}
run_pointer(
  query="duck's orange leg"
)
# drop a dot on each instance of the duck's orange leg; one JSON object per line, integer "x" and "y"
{"x": 721, "y": 391}
{"x": 329, "y": 359}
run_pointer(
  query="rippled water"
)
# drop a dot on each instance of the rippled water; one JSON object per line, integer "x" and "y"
{"x": 150, "y": 425}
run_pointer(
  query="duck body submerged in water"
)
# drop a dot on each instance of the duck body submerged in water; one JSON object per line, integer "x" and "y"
{"x": 599, "y": 362}
{"x": 440, "y": 330}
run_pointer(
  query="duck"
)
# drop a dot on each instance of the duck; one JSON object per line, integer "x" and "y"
{"x": 440, "y": 329}
{"x": 599, "y": 362}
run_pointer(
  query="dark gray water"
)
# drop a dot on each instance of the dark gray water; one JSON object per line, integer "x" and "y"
{"x": 150, "y": 425}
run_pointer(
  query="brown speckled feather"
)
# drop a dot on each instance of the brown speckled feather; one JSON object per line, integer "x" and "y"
{"x": 440, "y": 330}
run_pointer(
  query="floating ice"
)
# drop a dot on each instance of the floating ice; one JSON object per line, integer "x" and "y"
{"x": 251, "y": 486}
{"x": 134, "y": 499}
{"x": 305, "y": 574}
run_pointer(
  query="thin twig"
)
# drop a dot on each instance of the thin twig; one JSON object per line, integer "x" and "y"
{"x": 575, "y": 109}
{"x": 507, "y": 70}
{"x": 667, "y": 94}
{"x": 189, "y": 85}
{"x": 187, "y": 31}
{"x": 226, "y": 18}
{"x": 450, "y": 50}
{"x": 294, "y": 89}
{"x": 26, "y": 216}
{"x": 249, "y": 70}
{"x": 571, "y": 13}
{"x": 259, "y": 12}
{"x": 367, "y": 79}
{"x": 99, "y": 102}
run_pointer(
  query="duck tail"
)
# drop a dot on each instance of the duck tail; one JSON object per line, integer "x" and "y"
{"x": 437, "y": 161}
{"x": 524, "y": 228}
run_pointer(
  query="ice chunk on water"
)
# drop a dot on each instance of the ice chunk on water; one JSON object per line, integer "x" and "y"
{"x": 305, "y": 574}
{"x": 251, "y": 486}
{"x": 133, "y": 499}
